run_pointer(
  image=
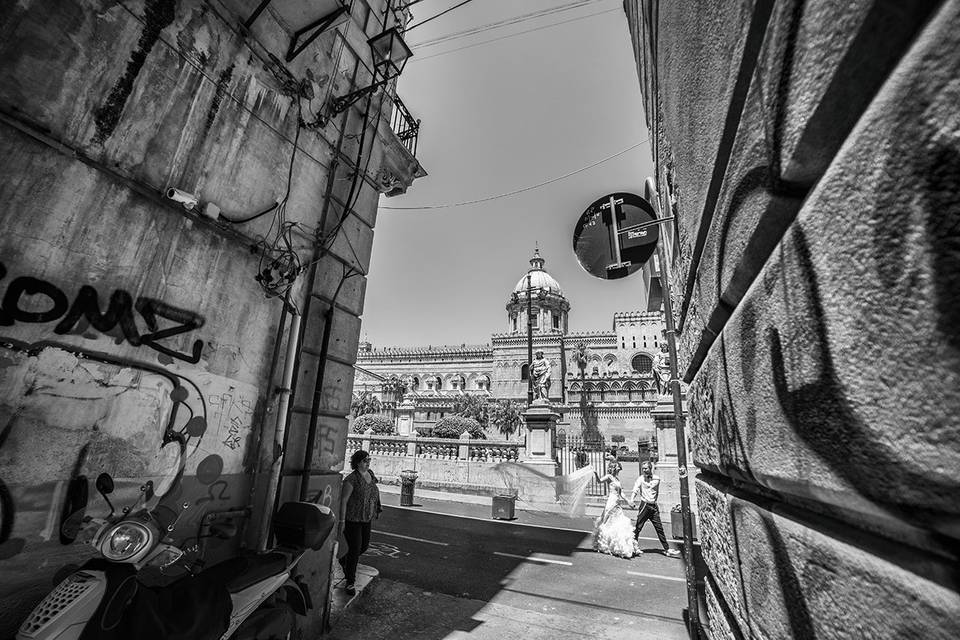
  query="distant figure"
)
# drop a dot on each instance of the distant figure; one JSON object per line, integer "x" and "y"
{"x": 648, "y": 488}
{"x": 613, "y": 458}
{"x": 359, "y": 507}
{"x": 541, "y": 377}
{"x": 612, "y": 531}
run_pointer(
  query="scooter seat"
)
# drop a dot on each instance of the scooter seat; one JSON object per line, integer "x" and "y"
{"x": 257, "y": 568}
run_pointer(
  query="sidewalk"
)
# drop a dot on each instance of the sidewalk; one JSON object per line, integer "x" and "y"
{"x": 463, "y": 504}
{"x": 397, "y": 610}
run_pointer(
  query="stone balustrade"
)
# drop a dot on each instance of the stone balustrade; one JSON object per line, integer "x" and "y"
{"x": 464, "y": 448}
{"x": 464, "y": 464}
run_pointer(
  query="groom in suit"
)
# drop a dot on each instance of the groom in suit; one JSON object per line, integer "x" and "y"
{"x": 647, "y": 487}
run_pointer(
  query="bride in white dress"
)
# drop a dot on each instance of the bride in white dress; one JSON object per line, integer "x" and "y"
{"x": 613, "y": 530}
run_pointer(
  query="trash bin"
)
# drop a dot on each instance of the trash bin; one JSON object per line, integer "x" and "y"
{"x": 408, "y": 480}
{"x": 676, "y": 523}
{"x": 503, "y": 506}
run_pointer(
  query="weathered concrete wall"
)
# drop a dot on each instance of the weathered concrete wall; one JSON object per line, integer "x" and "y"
{"x": 809, "y": 151}
{"x": 124, "y": 317}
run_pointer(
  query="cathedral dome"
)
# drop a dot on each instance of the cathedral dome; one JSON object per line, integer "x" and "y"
{"x": 539, "y": 279}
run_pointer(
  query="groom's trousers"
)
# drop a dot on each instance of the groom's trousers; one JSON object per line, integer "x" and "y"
{"x": 650, "y": 511}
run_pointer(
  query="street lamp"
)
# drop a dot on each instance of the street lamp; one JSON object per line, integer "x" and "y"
{"x": 529, "y": 343}
{"x": 390, "y": 55}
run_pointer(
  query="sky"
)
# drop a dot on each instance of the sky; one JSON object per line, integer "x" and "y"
{"x": 502, "y": 110}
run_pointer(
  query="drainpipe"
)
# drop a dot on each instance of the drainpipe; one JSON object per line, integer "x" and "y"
{"x": 283, "y": 404}
{"x": 650, "y": 191}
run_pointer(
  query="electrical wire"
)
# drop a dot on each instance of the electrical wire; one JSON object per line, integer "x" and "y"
{"x": 446, "y": 11}
{"x": 501, "y": 23}
{"x": 515, "y": 192}
{"x": 511, "y": 35}
{"x": 200, "y": 69}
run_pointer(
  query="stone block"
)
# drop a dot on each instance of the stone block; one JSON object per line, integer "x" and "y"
{"x": 365, "y": 197}
{"x": 719, "y": 625}
{"x": 328, "y": 279}
{"x": 718, "y": 543}
{"x": 352, "y": 243}
{"x": 344, "y": 333}
{"x": 700, "y": 55}
{"x": 837, "y": 378}
{"x": 820, "y": 65}
{"x": 800, "y": 582}
{"x": 336, "y": 388}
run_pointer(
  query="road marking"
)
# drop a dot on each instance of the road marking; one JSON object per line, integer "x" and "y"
{"x": 383, "y": 549}
{"x": 654, "y": 575}
{"x": 397, "y": 535}
{"x": 519, "y": 524}
{"x": 532, "y": 559}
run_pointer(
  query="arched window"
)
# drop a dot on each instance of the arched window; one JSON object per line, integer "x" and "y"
{"x": 642, "y": 363}
{"x": 524, "y": 371}
{"x": 414, "y": 383}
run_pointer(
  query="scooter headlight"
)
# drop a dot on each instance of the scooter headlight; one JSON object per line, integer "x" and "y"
{"x": 125, "y": 540}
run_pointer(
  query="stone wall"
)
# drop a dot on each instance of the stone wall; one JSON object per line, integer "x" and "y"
{"x": 810, "y": 153}
{"x": 125, "y": 317}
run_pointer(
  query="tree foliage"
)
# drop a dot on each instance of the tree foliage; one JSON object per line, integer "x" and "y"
{"x": 473, "y": 406}
{"x": 365, "y": 404}
{"x": 454, "y": 426}
{"x": 505, "y": 416}
{"x": 382, "y": 425}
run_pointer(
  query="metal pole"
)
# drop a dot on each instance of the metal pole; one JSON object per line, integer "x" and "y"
{"x": 529, "y": 342}
{"x": 690, "y": 569}
{"x": 280, "y": 431}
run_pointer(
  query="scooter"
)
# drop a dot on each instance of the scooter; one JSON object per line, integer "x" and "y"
{"x": 253, "y": 596}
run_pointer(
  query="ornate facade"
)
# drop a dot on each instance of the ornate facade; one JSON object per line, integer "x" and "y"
{"x": 602, "y": 382}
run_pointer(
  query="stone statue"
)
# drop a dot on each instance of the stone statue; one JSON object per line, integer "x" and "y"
{"x": 661, "y": 373}
{"x": 541, "y": 377}
{"x": 581, "y": 356}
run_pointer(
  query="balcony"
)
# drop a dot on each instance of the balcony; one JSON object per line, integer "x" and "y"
{"x": 400, "y": 166}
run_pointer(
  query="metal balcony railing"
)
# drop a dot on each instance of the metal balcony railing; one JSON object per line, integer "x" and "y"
{"x": 405, "y": 126}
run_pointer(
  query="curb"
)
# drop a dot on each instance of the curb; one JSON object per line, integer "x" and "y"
{"x": 340, "y": 601}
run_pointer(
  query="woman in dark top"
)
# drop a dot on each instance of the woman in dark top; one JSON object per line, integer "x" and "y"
{"x": 359, "y": 507}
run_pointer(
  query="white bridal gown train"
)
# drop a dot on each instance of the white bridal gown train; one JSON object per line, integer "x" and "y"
{"x": 613, "y": 530}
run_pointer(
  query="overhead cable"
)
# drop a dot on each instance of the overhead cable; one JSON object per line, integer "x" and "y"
{"x": 501, "y": 23}
{"x": 511, "y": 35}
{"x": 456, "y": 6}
{"x": 515, "y": 192}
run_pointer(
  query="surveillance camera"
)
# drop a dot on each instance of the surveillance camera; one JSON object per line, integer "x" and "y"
{"x": 188, "y": 200}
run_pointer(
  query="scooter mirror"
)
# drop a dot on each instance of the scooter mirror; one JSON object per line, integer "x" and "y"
{"x": 169, "y": 460}
{"x": 104, "y": 483}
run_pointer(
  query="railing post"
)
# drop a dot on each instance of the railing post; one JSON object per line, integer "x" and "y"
{"x": 464, "y": 450}
{"x": 412, "y": 445}
{"x": 366, "y": 440}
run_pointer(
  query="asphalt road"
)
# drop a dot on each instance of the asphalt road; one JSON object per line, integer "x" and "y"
{"x": 544, "y": 576}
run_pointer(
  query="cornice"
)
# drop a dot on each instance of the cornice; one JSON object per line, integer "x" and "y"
{"x": 420, "y": 353}
{"x": 627, "y": 316}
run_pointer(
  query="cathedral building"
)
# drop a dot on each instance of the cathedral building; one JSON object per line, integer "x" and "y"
{"x": 602, "y": 382}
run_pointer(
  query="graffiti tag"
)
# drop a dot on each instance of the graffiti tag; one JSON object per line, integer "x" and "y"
{"x": 86, "y": 307}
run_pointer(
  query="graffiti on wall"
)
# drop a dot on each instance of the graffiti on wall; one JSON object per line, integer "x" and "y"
{"x": 32, "y": 300}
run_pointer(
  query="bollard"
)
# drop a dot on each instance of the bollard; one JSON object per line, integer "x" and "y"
{"x": 408, "y": 480}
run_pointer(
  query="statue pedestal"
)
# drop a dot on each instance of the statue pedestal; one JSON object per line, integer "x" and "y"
{"x": 666, "y": 466}
{"x": 405, "y": 411}
{"x": 539, "y": 453}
